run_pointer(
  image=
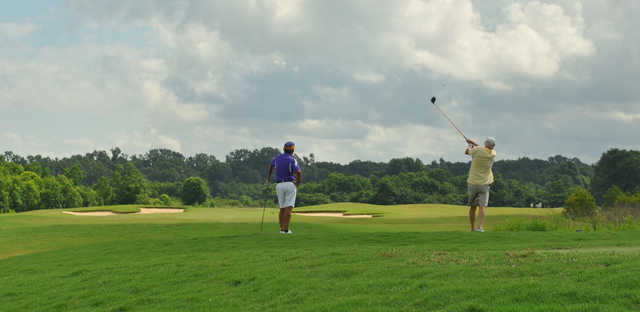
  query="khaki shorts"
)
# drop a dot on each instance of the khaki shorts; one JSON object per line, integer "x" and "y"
{"x": 478, "y": 195}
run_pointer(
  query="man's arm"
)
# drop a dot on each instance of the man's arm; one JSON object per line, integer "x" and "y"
{"x": 270, "y": 172}
{"x": 472, "y": 144}
{"x": 298, "y": 177}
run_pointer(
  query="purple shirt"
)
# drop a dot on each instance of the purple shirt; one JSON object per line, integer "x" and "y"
{"x": 286, "y": 167}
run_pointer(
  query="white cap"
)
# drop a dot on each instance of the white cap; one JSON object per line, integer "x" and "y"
{"x": 490, "y": 141}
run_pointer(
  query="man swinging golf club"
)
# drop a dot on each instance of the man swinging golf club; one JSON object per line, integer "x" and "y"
{"x": 288, "y": 177}
{"x": 480, "y": 177}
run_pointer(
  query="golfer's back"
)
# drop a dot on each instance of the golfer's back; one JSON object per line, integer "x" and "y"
{"x": 286, "y": 167}
{"x": 480, "y": 172}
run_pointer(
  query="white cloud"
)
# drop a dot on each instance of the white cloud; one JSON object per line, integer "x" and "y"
{"x": 160, "y": 98}
{"x": 16, "y": 30}
{"x": 345, "y": 141}
{"x": 87, "y": 144}
{"x": 532, "y": 42}
{"x": 21, "y": 143}
{"x": 143, "y": 140}
{"x": 13, "y": 138}
{"x": 411, "y": 140}
{"x": 347, "y": 78}
{"x": 84, "y": 77}
{"x": 372, "y": 78}
{"x": 332, "y": 129}
{"x": 447, "y": 37}
{"x": 624, "y": 117}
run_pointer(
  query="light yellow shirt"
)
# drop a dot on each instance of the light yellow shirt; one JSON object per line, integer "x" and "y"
{"x": 481, "y": 162}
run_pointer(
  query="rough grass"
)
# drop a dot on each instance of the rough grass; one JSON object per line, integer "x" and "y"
{"x": 415, "y": 258}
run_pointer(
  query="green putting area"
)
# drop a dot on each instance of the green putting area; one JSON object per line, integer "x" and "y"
{"x": 404, "y": 258}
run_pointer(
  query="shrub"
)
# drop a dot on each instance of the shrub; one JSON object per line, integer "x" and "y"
{"x": 165, "y": 200}
{"x": 194, "y": 191}
{"x": 625, "y": 206}
{"x": 247, "y": 201}
{"x": 144, "y": 199}
{"x": 628, "y": 201}
{"x": 611, "y": 196}
{"x": 580, "y": 204}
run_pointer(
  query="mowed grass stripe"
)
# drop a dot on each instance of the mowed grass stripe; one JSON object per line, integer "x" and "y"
{"x": 249, "y": 272}
{"x": 215, "y": 260}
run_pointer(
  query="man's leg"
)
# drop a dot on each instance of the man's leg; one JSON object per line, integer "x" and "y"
{"x": 290, "y": 202}
{"x": 281, "y": 198}
{"x": 483, "y": 201}
{"x": 472, "y": 216}
{"x": 481, "y": 213}
{"x": 286, "y": 217}
{"x": 281, "y": 217}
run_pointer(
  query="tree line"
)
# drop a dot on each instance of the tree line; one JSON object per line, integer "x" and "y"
{"x": 159, "y": 177}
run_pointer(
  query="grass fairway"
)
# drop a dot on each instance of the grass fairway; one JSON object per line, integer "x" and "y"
{"x": 411, "y": 258}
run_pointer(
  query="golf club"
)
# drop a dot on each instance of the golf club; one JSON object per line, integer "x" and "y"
{"x": 262, "y": 221}
{"x": 265, "y": 193}
{"x": 433, "y": 101}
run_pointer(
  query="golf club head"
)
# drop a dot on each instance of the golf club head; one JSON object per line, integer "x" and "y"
{"x": 433, "y": 100}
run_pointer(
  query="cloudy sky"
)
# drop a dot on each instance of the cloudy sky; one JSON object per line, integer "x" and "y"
{"x": 344, "y": 79}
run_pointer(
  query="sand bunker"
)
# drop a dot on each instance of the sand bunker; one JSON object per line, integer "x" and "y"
{"x": 91, "y": 213}
{"x": 161, "y": 210}
{"x": 111, "y": 213}
{"x": 333, "y": 214}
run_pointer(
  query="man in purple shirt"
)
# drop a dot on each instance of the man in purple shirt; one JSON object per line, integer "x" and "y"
{"x": 288, "y": 177}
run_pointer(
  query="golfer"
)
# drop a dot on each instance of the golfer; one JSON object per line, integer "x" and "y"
{"x": 288, "y": 177}
{"x": 480, "y": 177}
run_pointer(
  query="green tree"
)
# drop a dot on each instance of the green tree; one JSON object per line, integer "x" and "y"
{"x": 194, "y": 191}
{"x": 128, "y": 184}
{"x": 341, "y": 188}
{"x": 30, "y": 195}
{"x": 105, "y": 191}
{"x": 580, "y": 204}
{"x": 556, "y": 192}
{"x": 611, "y": 196}
{"x": 51, "y": 196}
{"x": 15, "y": 194}
{"x": 72, "y": 197}
{"x": 75, "y": 174}
{"x": 165, "y": 199}
{"x": 12, "y": 168}
{"x": 210, "y": 169}
{"x": 90, "y": 197}
{"x": 5, "y": 203}
{"x": 251, "y": 166}
{"x": 402, "y": 165}
{"x": 616, "y": 167}
{"x": 162, "y": 165}
{"x": 385, "y": 192}
{"x": 35, "y": 167}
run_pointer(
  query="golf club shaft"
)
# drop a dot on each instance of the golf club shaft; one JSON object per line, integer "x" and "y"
{"x": 449, "y": 119}
{"x": 264, "y": 207}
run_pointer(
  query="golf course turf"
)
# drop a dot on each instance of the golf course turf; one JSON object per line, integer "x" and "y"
{"x": 405, "y": 258}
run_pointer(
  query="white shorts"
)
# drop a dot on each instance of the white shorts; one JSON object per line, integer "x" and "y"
{"x": 286, "y": 194}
